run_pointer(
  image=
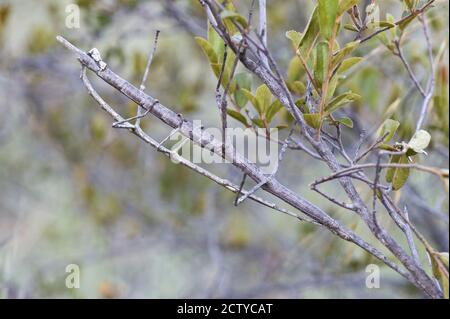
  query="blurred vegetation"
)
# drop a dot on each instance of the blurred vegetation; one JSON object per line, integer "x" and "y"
{"x": 73, "y": 190}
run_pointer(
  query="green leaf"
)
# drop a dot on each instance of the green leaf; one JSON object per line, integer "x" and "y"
{"x": 227, "y": 14}
{"x": 341, "y": 100}
{"x": 385, "y": 24}
{"x": 410, "y": 3}
{"x": 259, "y": 123}
{"x": 295, "y": 69}
{"x": 295, "y": 37}
{"x": 332, "y": 87}
{"x": 347, "y": 49}
{"x": 350, "y": 27}
{"x": 297, "y": 87}
{"x": 310, "y": 35}
{"x": 273, "y": 109}
{"x": 251, "y": 98}
{"x": 387, "y": 147}
{"x": 348, "y": 63}
{"x": 439, "y": 273}
{"x": 321, "y": 67}
{"x": 312, "y": 119}
{"x": 420, "y": 141}
{"x": 208, "y": 50}
{"x": 282, "y": 127}
{"x": 243, "y": 81}
{"x": 391, "y": 170}
{"x": 345, "y": 5}
{"x": 327, "y": 17}
{"x": 216, "y": 42}
{"x": 389, "y": 126}
{"x": 346, "y": 121}
{"x": 406, "y": 22}
{"x": 237, "y": 116}
{"x": 263, "y": 97}
{"x": 400, "y": 174}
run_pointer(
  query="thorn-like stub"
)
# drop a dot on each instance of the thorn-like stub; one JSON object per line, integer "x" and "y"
{"x": 94, "y": 53}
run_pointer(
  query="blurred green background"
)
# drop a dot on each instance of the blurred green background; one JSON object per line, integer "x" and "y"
{"x": 75, "y": 191}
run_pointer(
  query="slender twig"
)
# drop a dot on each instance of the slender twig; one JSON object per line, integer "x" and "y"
{"x": 408, "y": 68}
{"x": 263, "y": 29}
{"x": 431, "y": 81}
{"x": 144, "y": 78}
{"x": 405, "y": 18}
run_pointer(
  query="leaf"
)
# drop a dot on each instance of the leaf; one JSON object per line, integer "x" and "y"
{"x": 295, "y": 69}
{"x": 327, "y": 17}
{"x": 273, "y": 109}
{"x": 346, "y": 121}
{"x": 410, "y": 3}
{"x": 406, "y": 22}
{"x": 243, "y": 81}
{"x": 420, "y": 141}
{"x": 310, "y": 35}
{"x": 439, "y": 273}
{"x": 321, "y": 67}
{"x": 216, "y": 42}
{"x": 297, "y": 87}
{"x": 341, "y": 100}
{"x": 259, "y": 123}
{"x": 389, "y": 126}
{"x": 312, "y": 119}
{"x": 228, "y": 14}
{"x": 350, "y": 27}
{"x": 208, "y": 50}
{"x": 385, "y": 24}
{"x": 348, "y": 63}
{"x": 237, "y": 116}
{"x": 263, "y": 97}
{"x": 251, "y": 98}
{"x": 391, "y": 170}
{"x": 332, "y": 87}
{"x": 387, "y": 147}
{"x": 295, "y": 37}
{"x": 347, "y": 49}
{"x": 345, "y": 5}
{"x": 401, "y": 174}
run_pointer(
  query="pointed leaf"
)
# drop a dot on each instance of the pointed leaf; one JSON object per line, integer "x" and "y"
{"x": 228, "y": 14}
{"x": 312, "y": 119}
{"x": 251, "y": 98}
{"x": 243, "y": 81}
{"x": 346, "y": 121}
{"x": 273, "y": 109}
{"x": 310, "y": 35}
{"x": 208, "y": 49}
{"x": 341, "y": 100}
{"x": 348, "y": 63}
{"x": 401, "y": 174}
{"x": 237, "y": 116}
{"x": 389, "y": 126}
{"x": 327, "y": 17}
{"x": 263, "y": 97}
{"x": 321, "y": 67}
{"x": 347, "y": 49}
{"x": 345, "y": 5}
{"x": 295, "y": 37}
